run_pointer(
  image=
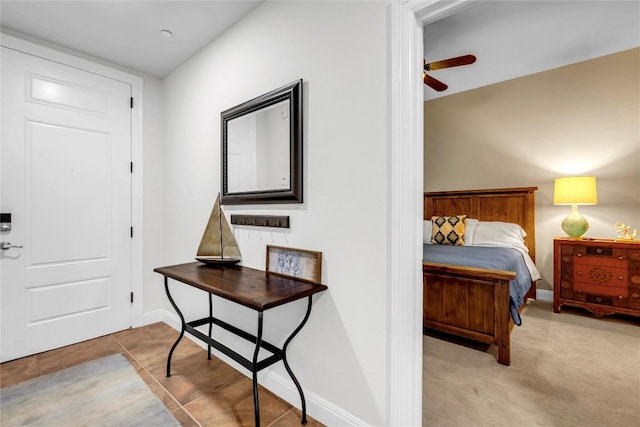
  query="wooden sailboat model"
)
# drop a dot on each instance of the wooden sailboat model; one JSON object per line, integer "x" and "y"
{"x": 218, "y": 246}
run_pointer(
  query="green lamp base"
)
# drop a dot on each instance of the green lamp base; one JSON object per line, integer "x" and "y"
{"x": 574, "y": 224}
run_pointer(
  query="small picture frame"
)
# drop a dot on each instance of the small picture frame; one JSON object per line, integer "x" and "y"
{"x": 301, "y": 264}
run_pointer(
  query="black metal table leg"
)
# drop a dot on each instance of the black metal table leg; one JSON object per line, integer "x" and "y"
{"x": 286, "y": 363}
{"x": 210, "y": 325}
{"x": 254, "y": 371}
{"x": 183, "y": 328}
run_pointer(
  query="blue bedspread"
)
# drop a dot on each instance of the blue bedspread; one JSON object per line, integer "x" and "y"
{"x": 495, "y": 258}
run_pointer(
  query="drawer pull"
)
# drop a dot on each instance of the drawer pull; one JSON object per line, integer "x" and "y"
{"x": 620, "y": 297}
{"x": 599, "y": 251}
{"x": 620, "y": 258}
{"x": 578, "y": 254}
{"x": 620, "y": 277}
{"x": 579, "y": 273}
{"x": 579, "y": 291}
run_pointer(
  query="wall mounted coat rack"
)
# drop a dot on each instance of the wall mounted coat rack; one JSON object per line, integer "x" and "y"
{"x": 261, "y": 220}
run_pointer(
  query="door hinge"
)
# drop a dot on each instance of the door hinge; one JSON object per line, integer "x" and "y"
{"x": 132, "y": 102}
{"x": 131, "y": 297}
{"x": 131, "y": 232}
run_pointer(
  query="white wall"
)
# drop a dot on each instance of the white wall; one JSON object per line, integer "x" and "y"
{"x": 339, "y": 49}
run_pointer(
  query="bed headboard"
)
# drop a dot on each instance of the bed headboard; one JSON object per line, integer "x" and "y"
{"x": 515, "y": 205}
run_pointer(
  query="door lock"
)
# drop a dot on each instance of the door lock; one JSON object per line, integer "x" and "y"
{"x": 5, "y": 222}
{"x": 7, "y": 245}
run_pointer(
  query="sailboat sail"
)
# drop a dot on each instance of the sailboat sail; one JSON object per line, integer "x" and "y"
{"x": 218, "y": 240}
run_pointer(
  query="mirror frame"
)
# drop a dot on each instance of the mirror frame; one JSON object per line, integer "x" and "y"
{"x": 293, "y": 93}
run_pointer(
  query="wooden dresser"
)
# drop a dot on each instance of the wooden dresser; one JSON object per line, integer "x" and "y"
{"x": 602, "y": 276}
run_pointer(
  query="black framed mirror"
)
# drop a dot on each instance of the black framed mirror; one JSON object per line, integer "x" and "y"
{"x": 262, "y": 149}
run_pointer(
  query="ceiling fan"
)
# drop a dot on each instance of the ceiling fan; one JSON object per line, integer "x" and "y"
{"x": 447, "y": 63}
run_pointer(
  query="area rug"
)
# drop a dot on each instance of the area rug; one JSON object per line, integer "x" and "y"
{"x": 103, "y": 392}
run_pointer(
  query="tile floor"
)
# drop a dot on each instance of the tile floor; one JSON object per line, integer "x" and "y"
{"x": 200, "y": 392}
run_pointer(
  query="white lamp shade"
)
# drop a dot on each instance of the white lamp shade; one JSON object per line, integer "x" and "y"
{"x": 575, "y": 190}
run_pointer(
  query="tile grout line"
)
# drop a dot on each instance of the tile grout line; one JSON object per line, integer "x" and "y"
{"x": 280, "y": 417}
{"x": 180, "y": 406}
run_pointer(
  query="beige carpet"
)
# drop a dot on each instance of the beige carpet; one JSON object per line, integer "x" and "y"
{"x": 567, "y": 369}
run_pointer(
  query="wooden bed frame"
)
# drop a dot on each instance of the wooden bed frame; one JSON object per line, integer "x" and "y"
{"x": 472, "y": 302}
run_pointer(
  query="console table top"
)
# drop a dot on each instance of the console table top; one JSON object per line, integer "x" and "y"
{"x": 255, "y": 289}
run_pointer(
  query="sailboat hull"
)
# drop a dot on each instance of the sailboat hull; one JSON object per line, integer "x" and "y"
{"x": 217, "y": 260}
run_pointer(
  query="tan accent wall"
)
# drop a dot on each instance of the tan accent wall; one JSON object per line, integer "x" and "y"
{"x": 581, "y": 119}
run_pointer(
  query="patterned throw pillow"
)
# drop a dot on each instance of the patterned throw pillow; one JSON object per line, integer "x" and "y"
{"x": 448, "y": 230}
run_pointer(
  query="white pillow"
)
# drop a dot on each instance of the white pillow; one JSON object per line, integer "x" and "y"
{"x": 495, "y": 233}
{"x": 470, "y": 227}
{"x": 426, "y": 232}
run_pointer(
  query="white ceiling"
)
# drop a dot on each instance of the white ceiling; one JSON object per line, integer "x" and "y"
{"x": 126, "y": 33}
{"x": 515, "y": 38}
{"x": 509, "y": 38}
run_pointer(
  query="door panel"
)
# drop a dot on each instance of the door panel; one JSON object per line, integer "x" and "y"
{"x": 62, "y": 181}
{"x": 66, "y": 180}
{"x": 66, "y": 95}
{"x": 51, "y": 302}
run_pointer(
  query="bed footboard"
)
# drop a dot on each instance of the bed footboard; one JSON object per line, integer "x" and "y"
{"x": 469, "y": 302}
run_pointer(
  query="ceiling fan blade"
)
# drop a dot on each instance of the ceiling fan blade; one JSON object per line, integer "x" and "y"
{"x": 451, "y": 62}
{"x": 433, "y": 83}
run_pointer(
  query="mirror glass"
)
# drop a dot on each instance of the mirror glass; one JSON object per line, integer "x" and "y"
{"x": 264, "y": 135}
{"x": 262, "y": 149}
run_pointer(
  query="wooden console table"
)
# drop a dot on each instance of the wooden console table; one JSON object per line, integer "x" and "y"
{"x": 251, "y": 288}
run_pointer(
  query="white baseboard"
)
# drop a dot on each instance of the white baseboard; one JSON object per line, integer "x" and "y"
{"x": 544, "y": 295}
{"x": 154, "y": 316}
{"x": 317, "y": 407}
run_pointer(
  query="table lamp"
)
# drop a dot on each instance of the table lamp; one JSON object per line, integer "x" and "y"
{"x": 574, "y": 191}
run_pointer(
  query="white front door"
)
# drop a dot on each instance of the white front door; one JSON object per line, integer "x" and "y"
{"x": 66, "y": 181}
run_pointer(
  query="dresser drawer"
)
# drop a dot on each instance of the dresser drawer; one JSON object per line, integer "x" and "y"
{"x": 619, "y": 260}
{"x": 588, "y": 292}
{"x": 600, "y": 275}
{"x": 591, "y": 288}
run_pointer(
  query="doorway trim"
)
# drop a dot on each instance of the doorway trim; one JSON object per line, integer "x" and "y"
{"x": 136, "y": 83}
{"x": 406, "y": 189}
